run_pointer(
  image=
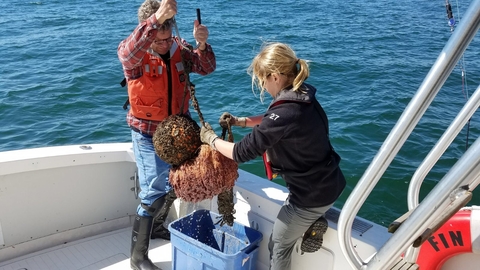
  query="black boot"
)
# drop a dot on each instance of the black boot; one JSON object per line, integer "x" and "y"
{"x": 313, "y": 237}
{"x": 163, "y": 207}
{"x": 142, "y": 228}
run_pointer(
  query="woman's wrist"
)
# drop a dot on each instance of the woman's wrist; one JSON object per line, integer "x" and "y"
{"x": 212, "y": 144}
{"x": 241, "y": 121}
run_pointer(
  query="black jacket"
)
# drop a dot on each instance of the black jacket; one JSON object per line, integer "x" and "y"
{"x": 295, "y": 138}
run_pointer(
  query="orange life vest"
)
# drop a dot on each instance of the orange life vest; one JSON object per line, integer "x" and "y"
{"x": 149, "y": 95}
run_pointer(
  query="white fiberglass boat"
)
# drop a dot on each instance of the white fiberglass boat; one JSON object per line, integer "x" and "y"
{"x": 72, "y": 207}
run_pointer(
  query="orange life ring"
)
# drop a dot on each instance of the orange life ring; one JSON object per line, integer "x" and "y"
{"x": 453, "y": 238}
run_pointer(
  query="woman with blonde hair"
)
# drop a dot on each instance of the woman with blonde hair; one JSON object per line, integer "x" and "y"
{"x": 294, "y": 135}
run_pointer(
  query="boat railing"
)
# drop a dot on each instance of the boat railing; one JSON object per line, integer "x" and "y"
{"x": 440, "y": 147}
{"x": 430, "y": 160}
{"x": 440, "y": 197}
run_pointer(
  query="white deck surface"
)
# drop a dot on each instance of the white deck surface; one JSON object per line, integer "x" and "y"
{"x": 105, "y": 251}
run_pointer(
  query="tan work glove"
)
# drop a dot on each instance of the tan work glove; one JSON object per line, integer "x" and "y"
{"x": 226, "y": 118}
{"x": 207, "y": 135}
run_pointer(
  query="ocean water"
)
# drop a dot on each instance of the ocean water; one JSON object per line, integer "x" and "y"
{"x": 59, "y": 76}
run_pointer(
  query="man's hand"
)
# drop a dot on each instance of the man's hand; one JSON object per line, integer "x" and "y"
{"x": 227, "y": 118}
{"x": 200, "y": 33}
{"x": 167, "y": 9}
{"x": 207, "y": 135}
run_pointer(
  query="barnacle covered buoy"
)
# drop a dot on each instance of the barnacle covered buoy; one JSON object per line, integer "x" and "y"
{"x": 177, "y": 139}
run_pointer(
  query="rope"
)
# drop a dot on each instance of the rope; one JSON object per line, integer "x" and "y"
{"x": 189, "y": 86}
{"x": 178, "y": 34}
{"x": 465, "y": 94}
{"x": 451, "y": 23}
{"x": 225, "y": 199}
{"x": 195, "y": 105}
{"x": 226, "y": 207}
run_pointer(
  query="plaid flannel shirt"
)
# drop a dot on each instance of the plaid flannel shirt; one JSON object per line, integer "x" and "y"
{"x": 132, "y": 50}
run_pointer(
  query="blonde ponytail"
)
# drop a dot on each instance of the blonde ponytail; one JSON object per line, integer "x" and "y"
{"x": 302, "y": 74}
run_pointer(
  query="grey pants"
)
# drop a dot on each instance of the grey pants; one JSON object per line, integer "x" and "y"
{"x": 291, "y": 223}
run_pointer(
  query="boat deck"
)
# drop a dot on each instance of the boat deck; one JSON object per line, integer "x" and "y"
{"x": 102, "y": 177}
{"x": 105, "y": 251}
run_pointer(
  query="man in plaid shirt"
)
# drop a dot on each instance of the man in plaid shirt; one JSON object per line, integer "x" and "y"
{"x": 153, "y": 63}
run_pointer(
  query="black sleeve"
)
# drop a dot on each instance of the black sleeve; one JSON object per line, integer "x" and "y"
{"x": 265, "y": 135}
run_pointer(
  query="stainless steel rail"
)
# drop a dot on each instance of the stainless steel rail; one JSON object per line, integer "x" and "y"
{"x": 464, "y": 169}
{"x": 464, "y": 172}
{"x": 437, "y": 151}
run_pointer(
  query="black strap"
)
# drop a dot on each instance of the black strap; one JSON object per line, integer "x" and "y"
{"x": 125, "y": 105}
{"x": 123, "y": 83}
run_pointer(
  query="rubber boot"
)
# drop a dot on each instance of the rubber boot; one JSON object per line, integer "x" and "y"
{"x": 142, "y": 228}
{"x": 164, "y": 205}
